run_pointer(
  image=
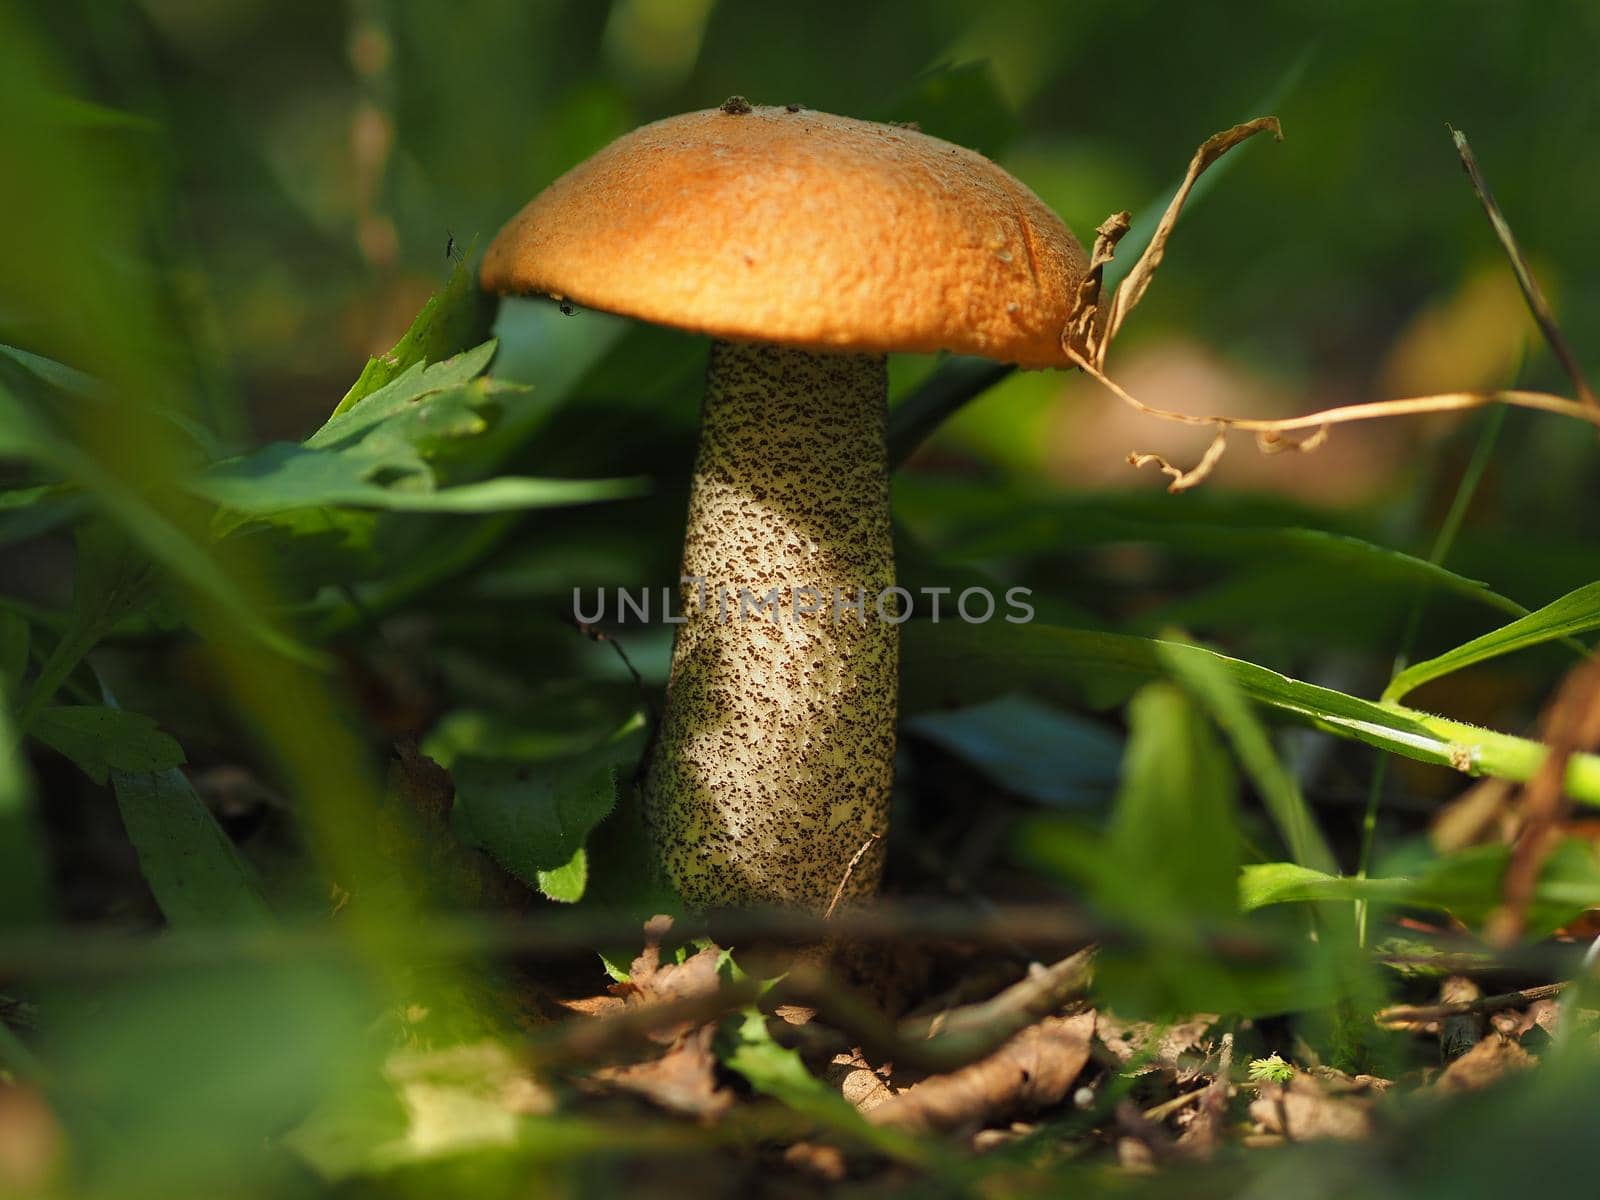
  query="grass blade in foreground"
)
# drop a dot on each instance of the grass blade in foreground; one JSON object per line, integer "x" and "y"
{"x": 1576, "y": 612}
{"x": 957, "y": 663}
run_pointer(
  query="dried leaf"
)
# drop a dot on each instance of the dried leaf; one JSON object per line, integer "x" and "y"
{"x": 1138, "y": 280}
{"x": 1488, "y": 1062}
{"x": 1304, "y": 1110}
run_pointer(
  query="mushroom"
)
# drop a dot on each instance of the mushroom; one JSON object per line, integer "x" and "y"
{"x": 808, "y": 247}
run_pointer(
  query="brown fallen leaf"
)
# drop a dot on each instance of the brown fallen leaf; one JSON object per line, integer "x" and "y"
{"x": 1304, "y": 1109}
{"x": 1488, "y": 1062}
{"x": 1169, "y": 1047}
{"x": 652, "y": 982}
{"x": 1033, "y": 1071}
{"x": 856, "y": 1081}
{"x": 683, "y": 1078}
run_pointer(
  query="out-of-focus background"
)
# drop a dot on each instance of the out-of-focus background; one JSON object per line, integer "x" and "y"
{"x": 325, "y": 154}
{"x": 211, "y": 216}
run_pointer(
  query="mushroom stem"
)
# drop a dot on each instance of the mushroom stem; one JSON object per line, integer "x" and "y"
{"x": 772, "y": 767}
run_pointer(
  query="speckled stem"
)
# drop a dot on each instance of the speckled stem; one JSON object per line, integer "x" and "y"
{"x": 776, "y": 751}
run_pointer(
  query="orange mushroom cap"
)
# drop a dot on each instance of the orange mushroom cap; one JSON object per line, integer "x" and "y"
{"x": 800, "y": 228}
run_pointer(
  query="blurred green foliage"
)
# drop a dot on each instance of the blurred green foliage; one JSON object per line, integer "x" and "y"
{"x": 217, "y": 220}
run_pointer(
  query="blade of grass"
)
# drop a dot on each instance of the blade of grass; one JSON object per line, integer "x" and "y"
{"x": 1543, "y": 315}
{"x": 1466, "y": 489}
{"x": 958, "y": 663}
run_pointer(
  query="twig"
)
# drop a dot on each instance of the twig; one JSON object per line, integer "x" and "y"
{"x": 596, "y": 634}
{"x": 1039, "y": 994}
{"x": 1537, "y": 304}
{"x": 963, "y": 1035}
{"x": 844, "y": 880}
{"x": 1402, "y": 1016}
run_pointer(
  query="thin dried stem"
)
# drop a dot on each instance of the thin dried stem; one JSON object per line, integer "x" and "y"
{"x": 1270, "y": 431}
{"x": 1537, "y": 304}
{"x": 1183, "y": 480}
{"x": 844, "y": 881}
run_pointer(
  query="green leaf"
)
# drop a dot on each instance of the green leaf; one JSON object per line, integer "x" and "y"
{"x": 283, "y": 477}
{"x": 746, "y": 1047}
{"x": 1287, "y": 575}
{"x": 403, "y": 391}
{"x": 24, "y": 879}
{"x": 534, "y": 817}
{"x": 102, "y": 740}
{"x": 194, "y": 870}
{"x": 1030, "y": 749}
{"x": 111, "y": 579}
{"x": 447, "y": 322}
{"x": 952, "y": 663}
{"x": 1205, "y": 679}
{"x": 386, "y": 452}
{"x": 48, "y": 370}
{"x": 1576, "y": 612}
{"x": 567, "y": 882}
{"x": 1467, "y": 884}
{"x": 1174, "y": 842}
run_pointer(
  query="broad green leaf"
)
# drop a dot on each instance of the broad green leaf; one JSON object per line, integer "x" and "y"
{"x": 24, "y": 878}
{"x": 186, "y": 1077}
{"x": 566, "y": 883}
{"x": 954, "y": 663}
{"x": 194, "y": 870}
{"x": 1576, "y": 612}
{"x": 559, "y": 719}
{"x": 416, "y": 383}
{"x": 1174, "y": 838}
{"x": 1030, "y": 749}
{"x": 1208, "y": 682}
{"x": 1468, "y": 885}
{"x": 447, "y": 322}
{"x": 283, "y": 477}
{"x": 534, "y": 817}
{"x": 102, "y": 740}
